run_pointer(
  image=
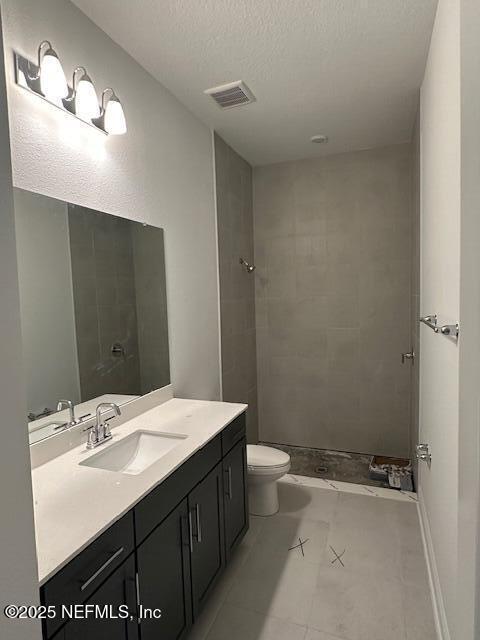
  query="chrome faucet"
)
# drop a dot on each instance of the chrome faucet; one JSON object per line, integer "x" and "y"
{"x": 100, "y": 431}
{"x": 71, "y": 408}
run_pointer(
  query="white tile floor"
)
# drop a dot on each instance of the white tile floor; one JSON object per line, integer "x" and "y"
{"x": 360, "y": 575}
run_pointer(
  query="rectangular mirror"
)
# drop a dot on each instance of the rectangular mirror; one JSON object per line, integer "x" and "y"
{"x": 93, "y": 309}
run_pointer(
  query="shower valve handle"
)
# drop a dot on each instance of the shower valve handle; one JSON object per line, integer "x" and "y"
{"x": 408, "y": 356}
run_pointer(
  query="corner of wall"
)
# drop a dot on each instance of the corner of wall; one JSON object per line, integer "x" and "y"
{"x": 17, "y": 551}
{"x": 217, "y": 257}
{"x": 439, "y": 612}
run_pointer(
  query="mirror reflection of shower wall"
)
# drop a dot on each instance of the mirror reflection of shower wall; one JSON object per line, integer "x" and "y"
{"x": 93, "y": 303}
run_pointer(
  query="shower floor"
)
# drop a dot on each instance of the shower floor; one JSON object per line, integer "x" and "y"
{"x": 332, "y": 465}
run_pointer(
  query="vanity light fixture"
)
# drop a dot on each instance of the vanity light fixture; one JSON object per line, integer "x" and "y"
{"x": 46, "y": 77}
{"x": 82, "y": 99}
{"x": 53, "y": 83}
{"x": 112, "y": 118}
{"x": 47, "y": 80}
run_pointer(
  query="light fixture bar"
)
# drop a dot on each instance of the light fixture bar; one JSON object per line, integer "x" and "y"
{"x": 26, "y": 76}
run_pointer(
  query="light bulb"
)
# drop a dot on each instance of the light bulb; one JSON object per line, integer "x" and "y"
{"x": 115, "y": 123}
{"x": 86, "y": 101}
{"x": 53, "y": 83}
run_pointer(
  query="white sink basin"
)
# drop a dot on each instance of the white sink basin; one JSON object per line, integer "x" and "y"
{"x": 135, "y": 453}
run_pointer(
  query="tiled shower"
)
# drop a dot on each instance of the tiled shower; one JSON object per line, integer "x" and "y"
{"x": 333, "y": 243}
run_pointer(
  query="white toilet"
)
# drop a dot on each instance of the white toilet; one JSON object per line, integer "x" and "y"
{"x": 265, "y": 466}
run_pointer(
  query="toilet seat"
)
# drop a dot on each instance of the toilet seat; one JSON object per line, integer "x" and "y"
{"x": 265, "y": 460}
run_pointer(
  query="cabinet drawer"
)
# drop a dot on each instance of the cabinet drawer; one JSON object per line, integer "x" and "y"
{"x": 117, "y": 591}
{"x": 233, "y": 433}
{"x": 76, "y": 582}
{"x": 159, "y": 502}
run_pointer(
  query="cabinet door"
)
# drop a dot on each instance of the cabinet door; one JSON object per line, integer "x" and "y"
{"x": 235, "y": 492}
{"x": 205, "y": 504}
{"x": 118, "y": 589}
{"x": 164, "y": 577}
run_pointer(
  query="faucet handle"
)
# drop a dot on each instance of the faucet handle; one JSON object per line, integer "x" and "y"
{"x": 106, "y": 426}
{"x": 92, "y": 437}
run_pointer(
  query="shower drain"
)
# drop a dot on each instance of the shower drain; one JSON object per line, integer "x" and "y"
{"x": 321, "y": 469}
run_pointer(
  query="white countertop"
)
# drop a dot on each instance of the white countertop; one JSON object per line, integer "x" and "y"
{"x": 73, "y": 504}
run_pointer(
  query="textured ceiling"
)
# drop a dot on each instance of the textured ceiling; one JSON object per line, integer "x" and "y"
{"x": 348, "y": 68}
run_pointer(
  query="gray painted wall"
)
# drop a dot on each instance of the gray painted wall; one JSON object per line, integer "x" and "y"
{"x": 467, "y": 623}
{"x": 237, "y": 287}
{"x": 441, "y": 227}
{"x": 18, "y": 566}
{"x": 161, "y": 172}
{"x": 333, "y": 255}
{"x": 46, "y": 300}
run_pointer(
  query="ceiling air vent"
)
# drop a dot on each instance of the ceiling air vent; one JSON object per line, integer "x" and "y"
{"x": 233, "y": 94}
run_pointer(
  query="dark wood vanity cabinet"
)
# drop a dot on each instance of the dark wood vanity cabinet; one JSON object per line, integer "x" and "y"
{"x": 235, "y": 496}
{"x": 205, "y": 505}
{"x": 163, "y": 562}
{"x": 117, "y": 591}
{"x": 166, "y": 554}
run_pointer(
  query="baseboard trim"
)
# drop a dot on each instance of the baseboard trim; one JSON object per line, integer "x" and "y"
{"x": 439, "y": 612}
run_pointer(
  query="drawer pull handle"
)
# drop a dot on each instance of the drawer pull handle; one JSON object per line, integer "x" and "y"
{"x": 104, "y": 566}
{"x": 190, "y": 531}
{"x": 137, "y": 593}
{"x": 228, "y": 471}
{"x": 199, "y": 524}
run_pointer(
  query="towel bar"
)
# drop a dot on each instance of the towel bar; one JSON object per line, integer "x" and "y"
{"x": 451, "y": 330}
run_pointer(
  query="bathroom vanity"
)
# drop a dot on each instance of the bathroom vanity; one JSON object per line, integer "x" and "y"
{"x": 159, "y": 538}
{"x": 135, "y": 529}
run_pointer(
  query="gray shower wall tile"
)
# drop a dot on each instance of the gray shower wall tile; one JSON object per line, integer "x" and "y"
{"x": 343, "y": 226}
{"x": 282, "y": 281}
{"x": 237, "y": 287}
{"x": 311, "y": 343}
{"x": 104, "y": 298}
{"x": 310, "y": 250}
{"x": 308, "y": 279}
{"x": 343, "y": 346}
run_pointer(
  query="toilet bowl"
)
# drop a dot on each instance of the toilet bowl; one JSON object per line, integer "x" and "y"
{"x": 265, "y": 466}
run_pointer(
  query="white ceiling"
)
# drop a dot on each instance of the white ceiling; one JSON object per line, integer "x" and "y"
{"x": 348, "y": 68}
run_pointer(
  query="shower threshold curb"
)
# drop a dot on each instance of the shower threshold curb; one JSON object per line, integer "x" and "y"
{"x": 350, "y": 487}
